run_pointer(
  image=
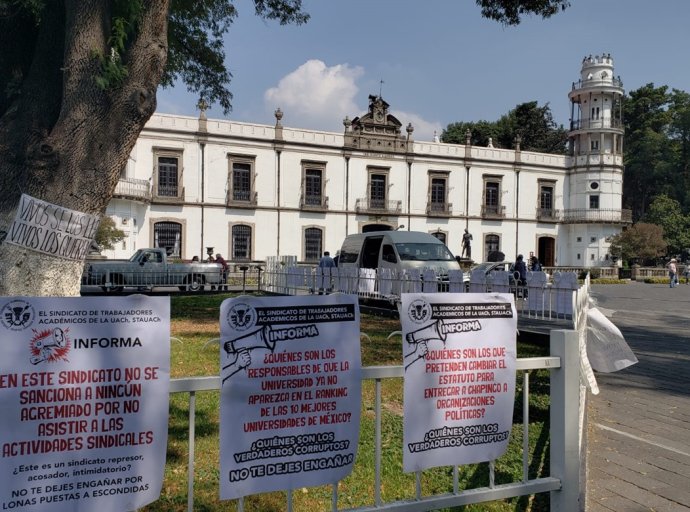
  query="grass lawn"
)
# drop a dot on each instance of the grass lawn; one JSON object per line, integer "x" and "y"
{"x": 195, "y": 321}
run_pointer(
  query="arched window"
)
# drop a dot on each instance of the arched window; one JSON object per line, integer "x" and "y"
{"x": 492, "y": 243}
{"x": 313, "y": 244}
{"x": 168, "y": 235}
{"x": 241, "y": 242}
{"x": 440, "y": 235}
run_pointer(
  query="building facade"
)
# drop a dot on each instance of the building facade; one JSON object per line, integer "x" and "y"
{"x": 248, "y": 191}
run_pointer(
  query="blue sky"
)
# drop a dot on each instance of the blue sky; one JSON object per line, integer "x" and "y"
{"x": 440, "y": 61}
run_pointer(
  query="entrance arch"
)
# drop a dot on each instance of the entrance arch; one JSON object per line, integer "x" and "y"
{"x": 546, "y": 250}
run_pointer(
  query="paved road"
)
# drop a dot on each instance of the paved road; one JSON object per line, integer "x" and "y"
{"x": 639, "y": 424}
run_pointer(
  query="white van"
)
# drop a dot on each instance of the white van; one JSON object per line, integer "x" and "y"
{"x": 398, "y": 251}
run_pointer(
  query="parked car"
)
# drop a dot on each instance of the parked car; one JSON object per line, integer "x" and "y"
{"x": 148, "y": 268}
{"x": 398, "y": 251}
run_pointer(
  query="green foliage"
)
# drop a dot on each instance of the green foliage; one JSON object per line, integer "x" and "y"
{"x": 657, "y": 148}
{"x": 644, "y": 241}
{"x": 667, "y": 213}
{"x": 196, "y": 54}
{"x": 108, "y": 234}
{"x": 534, "y": 125}
{"x": 126, "y": 18}
{"x": 511, "y": 12}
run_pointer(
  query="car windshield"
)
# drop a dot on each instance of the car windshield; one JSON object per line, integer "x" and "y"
{"x": 423, "y": 252}
{"x": 135, "y": 256}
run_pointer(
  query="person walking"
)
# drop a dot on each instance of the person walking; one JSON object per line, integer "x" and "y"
{"x": 672, "y": 273}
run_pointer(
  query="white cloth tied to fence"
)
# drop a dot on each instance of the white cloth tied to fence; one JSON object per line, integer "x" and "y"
{"x": 607, "y": 349}
{"x": 564, "y": 283}
{"x": 412, "y": 281}
{"x": 501, "y": 281}
{"x": 367, "y": 280}
{"x": 455, "y": 284}
{"x": 323, "y": 277}
{"x": 385, "y": 279}
{"x": 536, "y": 282}
{"x": 477, "y": 281}
{"x": 294, "y": 275}
{"x": 429, "y": 281}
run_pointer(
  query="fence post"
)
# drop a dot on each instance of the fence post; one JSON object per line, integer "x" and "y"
{"x": 565, "y": 424}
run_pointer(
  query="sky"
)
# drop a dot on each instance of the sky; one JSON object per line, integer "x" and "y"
{"x": 440, "y": 62}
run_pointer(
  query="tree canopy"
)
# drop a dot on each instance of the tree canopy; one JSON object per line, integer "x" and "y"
{"x": 644, "y": 242}
{"x": 657, "y": 148}
{"x": 668, "y": 214}
{"x": 108, "y": 234}
{"x": 511, "y": 12}
{"x": 534, "y": 125}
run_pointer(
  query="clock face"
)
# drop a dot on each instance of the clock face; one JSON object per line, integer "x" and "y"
{"x": 378, "y": 116}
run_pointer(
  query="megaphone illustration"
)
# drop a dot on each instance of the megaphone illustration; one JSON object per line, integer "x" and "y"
{"x": 58, "y": 340}
{"x": 433, "y": 331}
{"x": 260, "y": 338}
{"x": 47, "y": 345}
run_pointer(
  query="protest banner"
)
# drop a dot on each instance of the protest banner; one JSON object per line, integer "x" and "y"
{"x": 51, "y": 229}
{"x": 84, "y": 386}
{"x": 291, "y": 392}
{"x": 459, "y": 354}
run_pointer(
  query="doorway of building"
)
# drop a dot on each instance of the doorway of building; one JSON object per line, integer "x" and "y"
{"x": 546, "y": 251}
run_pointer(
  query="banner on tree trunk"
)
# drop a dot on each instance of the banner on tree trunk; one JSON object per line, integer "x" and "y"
{"x": 459, "y": 354}
{"x": 50, "y": 229}
{"x": 291, "y": 392}
{"x": 84, "y": 386}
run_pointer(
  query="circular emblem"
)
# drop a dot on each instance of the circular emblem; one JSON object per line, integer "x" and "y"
{"x": 419, "y": 311}
{"x": 241, "y": 317}
{"x": 17, "y": 315}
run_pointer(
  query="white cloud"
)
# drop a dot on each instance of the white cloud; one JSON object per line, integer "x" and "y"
{"x": 423, "y": 129}
{"x": 316, "y": 96}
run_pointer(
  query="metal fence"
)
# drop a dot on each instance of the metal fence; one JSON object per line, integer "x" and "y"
{"x": 541, "y": 297}
{"x": 562, "y": 483}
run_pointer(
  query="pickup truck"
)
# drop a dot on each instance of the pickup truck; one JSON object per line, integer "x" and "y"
{"x": 148, "y": 268}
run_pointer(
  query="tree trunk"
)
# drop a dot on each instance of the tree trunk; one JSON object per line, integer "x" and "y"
{"x": 66, "y": 140}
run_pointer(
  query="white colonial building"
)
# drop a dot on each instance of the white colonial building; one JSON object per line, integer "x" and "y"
{"x": 251, "y": 191}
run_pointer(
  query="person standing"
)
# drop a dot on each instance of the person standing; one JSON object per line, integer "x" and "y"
{"x": 224, "y": 272}
{"x": 326, "y": 262}
{"x": 535, "y": 265}
{"x": 521, "y": 269}
{"x": 466, "y": 244}
{"x": 672, "y": 273}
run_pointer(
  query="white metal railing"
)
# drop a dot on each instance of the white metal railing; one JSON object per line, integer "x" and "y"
{"x": 562, "y": 483}
{"x": 549, "y": 298}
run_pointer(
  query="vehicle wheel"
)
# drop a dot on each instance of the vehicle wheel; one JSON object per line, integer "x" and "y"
{"x": 116, "y": 284}
{"x": 193, "y": 283}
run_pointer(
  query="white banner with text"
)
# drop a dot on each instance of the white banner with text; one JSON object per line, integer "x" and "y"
{"x": 84, "y": 386}
{"x": 291, "y": 392}
{"x": 459, "y": 352}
